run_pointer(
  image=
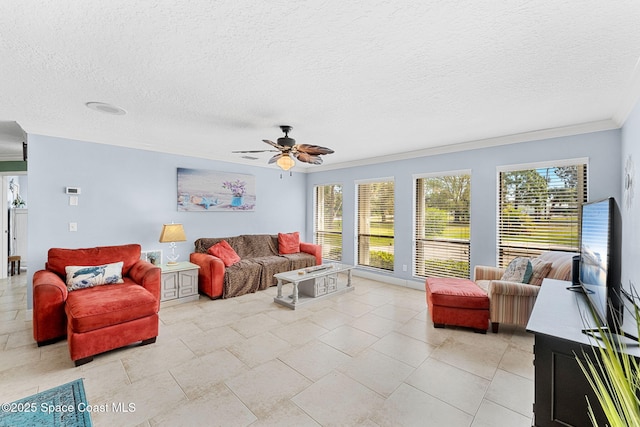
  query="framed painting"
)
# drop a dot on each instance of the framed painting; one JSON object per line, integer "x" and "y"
{"x": 154, "y": 257}
{"x": 202, "y": 190}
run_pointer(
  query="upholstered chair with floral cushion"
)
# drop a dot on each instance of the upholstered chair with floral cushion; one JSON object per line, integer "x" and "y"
{"x": 513, "y": 291}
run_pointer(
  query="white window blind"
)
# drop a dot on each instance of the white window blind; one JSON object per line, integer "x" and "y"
{"x": 442, "y": 226}
{"x": 539, "y": 210}
{"x": 328, "y": 220}
{"x": 376, "y": 224}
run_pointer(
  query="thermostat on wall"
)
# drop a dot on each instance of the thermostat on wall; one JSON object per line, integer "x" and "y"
{"x": 73, "y": 190}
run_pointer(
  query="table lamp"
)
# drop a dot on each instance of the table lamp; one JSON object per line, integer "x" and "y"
{"x": 172, "y": 233}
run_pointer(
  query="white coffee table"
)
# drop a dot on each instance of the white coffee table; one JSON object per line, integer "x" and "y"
{"x": 313, "y": 284}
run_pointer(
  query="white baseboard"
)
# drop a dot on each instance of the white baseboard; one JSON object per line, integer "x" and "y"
{"x": 413, "y": 284}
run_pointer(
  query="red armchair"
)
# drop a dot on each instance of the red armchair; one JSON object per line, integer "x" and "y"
{"x": 99, "y": 318}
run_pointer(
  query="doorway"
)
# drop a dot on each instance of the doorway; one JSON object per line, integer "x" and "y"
{"x": 14, "y": 221}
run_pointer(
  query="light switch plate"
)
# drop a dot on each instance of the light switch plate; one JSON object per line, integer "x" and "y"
{"x": 73, "y": 226}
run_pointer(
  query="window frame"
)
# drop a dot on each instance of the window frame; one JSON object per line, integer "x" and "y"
{"x": 415, "y": 240}
{"x": 357, "y": 245}
{"x": 502, "y": 261}
{"x": 331, "y": 232}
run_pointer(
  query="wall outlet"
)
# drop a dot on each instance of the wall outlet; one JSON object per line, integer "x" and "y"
{"x": 404, "y": 267}
{"x": 73, "y": 200}
{"x": 73, "y": 226}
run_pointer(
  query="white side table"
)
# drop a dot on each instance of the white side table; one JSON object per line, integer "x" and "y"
{"x": 179, "y": 283}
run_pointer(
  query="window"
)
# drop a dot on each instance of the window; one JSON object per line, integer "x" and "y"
{"x": 442, "y": 226}
{"x": 375, "y": 224}
{"x": 539, "y": 209}
{"x": 328, "y": 220}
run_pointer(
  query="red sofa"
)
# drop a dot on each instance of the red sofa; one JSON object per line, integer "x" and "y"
{"x": 260, "y": 259}
{"x": 100, "y": 318}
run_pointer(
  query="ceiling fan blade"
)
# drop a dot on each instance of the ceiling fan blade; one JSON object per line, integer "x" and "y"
{"x": 274, "y": 158}
{"x": 255, "y": 151}
{"x": 273, "y": 144}
{"x": 313, "y": 149}
{"x": 308, "y": 158}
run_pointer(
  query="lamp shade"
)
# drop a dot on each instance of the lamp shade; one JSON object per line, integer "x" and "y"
{"x": 286, "y": 162}
{"x": 172, "y": 233}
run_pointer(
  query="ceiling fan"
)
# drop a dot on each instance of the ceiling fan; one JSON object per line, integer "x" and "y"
{"x": 287, "y": 146}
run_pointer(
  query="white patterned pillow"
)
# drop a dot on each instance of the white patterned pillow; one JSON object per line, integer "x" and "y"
{"x": 519, "y": 270}
{"x": 80, "y": 277}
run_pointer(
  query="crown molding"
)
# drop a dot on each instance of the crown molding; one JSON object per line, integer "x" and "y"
{"x": 542, "y": 134}
{"x": 578, "y": 129}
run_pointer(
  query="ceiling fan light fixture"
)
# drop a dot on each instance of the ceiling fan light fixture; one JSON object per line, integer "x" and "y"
{"x": 285, "y": 162}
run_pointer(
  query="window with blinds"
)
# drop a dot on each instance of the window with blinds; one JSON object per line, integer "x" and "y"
{"x": 442, "y": 246}
{"x": 539, "y": 210}
{"x": 328, "y": 220}
{"x": 376, "y": 224}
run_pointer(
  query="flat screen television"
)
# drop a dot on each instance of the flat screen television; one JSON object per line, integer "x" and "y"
{"x": 600, "y": 260}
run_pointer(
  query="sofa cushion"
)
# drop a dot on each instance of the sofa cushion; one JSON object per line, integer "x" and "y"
{"x": 540, "y": 271}
{"x": 519, "y": 270}
{"x": 225, "y": 252}
{"x": 255, "y": 245}
{"x": 242, "y": 278}
{"x": 271, "y": 265}
{"x": 300, "y": 260}
{"x": 80, "y": 277}
{"x": 59, "y": 258}
{"x": 288, "y": 243}
{"x": 98, "y": 307}
{"x": 562, "y": 264}
{"x": 202, "y": 245}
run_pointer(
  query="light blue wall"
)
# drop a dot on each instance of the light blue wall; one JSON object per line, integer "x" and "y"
{"x": 128, "y": 194}
{"x": 630, "y": 204}
{"x": 601, "y": 148}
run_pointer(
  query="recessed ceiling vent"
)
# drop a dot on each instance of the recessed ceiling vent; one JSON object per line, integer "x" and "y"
{"x": 103, "y": 107}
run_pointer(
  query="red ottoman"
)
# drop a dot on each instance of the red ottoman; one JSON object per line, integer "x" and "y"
{"x": 458, "y": 302}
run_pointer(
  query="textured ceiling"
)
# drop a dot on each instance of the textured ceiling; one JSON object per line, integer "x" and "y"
{"x": 368, "y": 78}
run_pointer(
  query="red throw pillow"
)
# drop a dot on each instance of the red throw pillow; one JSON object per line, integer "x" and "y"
{"x": 225, "y": 252}
{"x": 288, "y": 243}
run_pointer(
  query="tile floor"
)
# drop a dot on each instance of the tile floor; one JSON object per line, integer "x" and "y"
{"x": 370, "y": 357}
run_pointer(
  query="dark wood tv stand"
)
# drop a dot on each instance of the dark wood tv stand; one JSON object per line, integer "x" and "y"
{"x": 557, "y": 320}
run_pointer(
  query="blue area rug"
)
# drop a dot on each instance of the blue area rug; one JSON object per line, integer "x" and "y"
{"x": 65, "y": 405}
